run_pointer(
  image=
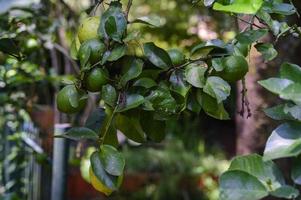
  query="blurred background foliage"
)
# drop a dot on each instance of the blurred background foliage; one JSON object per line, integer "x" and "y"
{"x": 35, "y": 38}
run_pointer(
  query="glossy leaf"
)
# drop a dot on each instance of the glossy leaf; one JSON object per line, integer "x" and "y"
{"x": 132, "y": 70}
{"x": 117, "y": 53}
{"x": 238, "y": 185}
{"x": 275, "y": 85}
{"x": 285, "y": 141}
{"x": 292, "y": 92}
{"x": 154, "y": 129}
{"x": 162, "y": 101}
{"x": 95, "y": 119}
{"x": 267, "y": 50}
{"x": 130, "y": 126}
{"x": 195, "y": 75}
{"x": 239, "y": 6}
{"x": 206, "y": 47}
{"x": 79, "y": 133}
{"x": 99, "y": 171}
{"x": 211, "y": 107}
{"x": 157, "y": 56}
{"x": 113, "y": 23}
{"x": 278, "y": 113}
{"x": 152, "y": 20}
{"x": 217, "y": 88}
{"x": 109, "y": 95}
{"x": 291, "y": 72}
{"x": 251, "y": 36}
{"x": 113, "y": 161}
{"x": 131, "y": 101}
{"x": 145, "y": 83}
{"x": 286, "y": 191}
{"x": 266, "y": 172}
{"x": 178, "y": 84}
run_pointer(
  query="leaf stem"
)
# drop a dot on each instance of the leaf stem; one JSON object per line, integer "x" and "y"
{"x": 108, "y": 122}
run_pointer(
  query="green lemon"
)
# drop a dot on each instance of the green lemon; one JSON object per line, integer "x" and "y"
{"x": 88, "y": 28}
{"x": 176, "y": 56}
{"x": 95, "y": 79}
{"x": 70, "y": 100}
{"x": 97, "y": 49}
{"x": 235, "y": 68}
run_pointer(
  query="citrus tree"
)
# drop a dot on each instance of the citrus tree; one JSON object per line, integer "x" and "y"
{"x": 142, "y": 86}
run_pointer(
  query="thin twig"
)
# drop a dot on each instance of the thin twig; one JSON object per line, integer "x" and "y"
{"x": 128, "y": 8}
{"x": 250, "y": 23}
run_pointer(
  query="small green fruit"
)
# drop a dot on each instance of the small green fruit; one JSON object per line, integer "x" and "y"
{"x": 70, "y": 100}
{"x": 88, "y": 29}
{"x": 95, "y": 79}
{"x": 97, "y": 49}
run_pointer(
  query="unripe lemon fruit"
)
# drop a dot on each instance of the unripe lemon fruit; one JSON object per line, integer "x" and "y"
{"x": 97, "y": 49}
{"x": 98, "y": 185}
{"x": 88, "y": 28}
{"x": 70, "y": 100}
{"x": 95, "y": 79}
{"x": 236, "y": 67}
{"x": 176, "y": 56}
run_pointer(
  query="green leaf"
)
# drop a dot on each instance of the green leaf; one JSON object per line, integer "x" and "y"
{"x": 152, "y": 20}
{"x": 278, "y": 113}
{"x": 267, "y": 50}
{"x": 286, "y": 191}
{"x": 217, "y": 88}
{"x": 218, "y": 64}
{"x": 292, "y": 92}
{"x": 266, "y": 172}
{"x": 113, "y": 23}
{"x": 130, "y": 126}
{"x": 117, "y": 53}
{"x": 192, "y": 103}
{"x": 109, "y": 95}
{"x": 238, "y": 185}
{"x": 95, "y": 119}
{"x": 251, "y": 36}
{"x": 296, "y": 170}
{"x": 157, "y": 56}
{"x": 113, "y": 161}
{"x": 84, "y": 54}
{"x": 131, "y": 101}
{"x": 108, "y": 132}
{"x": 195, "y": 75}
{"x": 154, "y": 129}
{"x": 279, "y": 8}
{"x": 294, "y": 111}
{"x": 162, "y": 101}
{"x": 239, "y": 6}
{"x": 285, "y": 141}
{"x": 132, "y": 70}
{"x": 211, "y": 107}
{"x": 178, "y": 84}
{"x": 99, "y": 171}
{"x": 206, "y": 47}
{"x": 275, "y": 85}
{"x": 291, "y": 72}
{"x": 79, "y": 133}
{"x": 145, "y": 83}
